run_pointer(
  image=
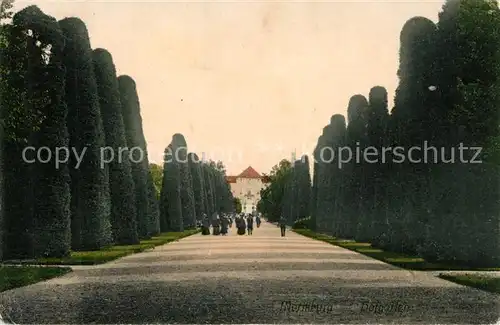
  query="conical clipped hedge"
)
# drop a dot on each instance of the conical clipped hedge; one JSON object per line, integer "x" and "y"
{"x": 130, "y": 110}
{"x": 51, "y": 213}
{"x": 338, "y": 133}
{"x": 198, "y": 184}
{"x": 187, "y": 195}
{"x": 413, "y": 101}
{"x": 323, "y": 173}
{"x": 209, "y": 188}
{"x": 376, "y": 174}
{"x": 304, "y": 188}
{"x": 123, "y": 208}
{"x": 89, "y": 211}
{"x": 171, "y": 204}
{"x": 19, "y": 122}
{"x": 314, "y": 191}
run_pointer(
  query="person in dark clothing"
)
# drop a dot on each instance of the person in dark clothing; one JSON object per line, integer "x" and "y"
{"x": 257, "y": 221}
{"x": 216, "y": 226}
{"x": 250, "y": 224}
{"x": 224, "y": 225}
{"x": 283, "y": 226}
{"x": 240, "y": 224}
{"x": 205, "y": 227}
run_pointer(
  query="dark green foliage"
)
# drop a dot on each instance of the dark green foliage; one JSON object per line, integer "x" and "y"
{"x": 376, "y": 173}
{"x": 468, "y": 70}
{"x": 415, "y": 104}
{"x": 325, "y": 156}
{"x": 333, "y": 181}
{"x": 222, "y": 197}
{"x": 18, "y": 114}
{"x": 133, "y": 130}
{"x": 273, "y": 195}
{"x": 170, "y": 197}
{"x": 123, "y": 208}
{"x": 297, "y": 194}
{"x": 304, "y": 197}
{"x": 209, "y": 189}
{"x": 157, "y": 174}
{"x": 154, "y": 205}
{"x": 289, "y": 204}
{"x": 353, "y": 175}
{"x": 315, "y": 183}
{"x": 51, "y": 215}
{"x": 198, "y": 184}
{"x": 237, "y": 205}
{"x": 303, "y": 223}
{"x": 153, "y": 209}
{"x": 186, "y": 181}
{"x": 89, "y": 211}
{"x": 447, "y": 94}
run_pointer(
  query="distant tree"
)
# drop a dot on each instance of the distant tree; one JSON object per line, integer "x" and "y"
{"x": 221, "y": 168}
{"x": 154, "y": 205}
{"x": 122, "y": 188}
{"x": 6, "y": 9}
{"x": 90, "y": 223}
{"x": 157, "y": 175}
{"x": 237, "y": 205}
{"x": 272, "y": 196}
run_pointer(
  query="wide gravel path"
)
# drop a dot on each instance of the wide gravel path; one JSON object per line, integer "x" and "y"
{"x": 249, "y": 279}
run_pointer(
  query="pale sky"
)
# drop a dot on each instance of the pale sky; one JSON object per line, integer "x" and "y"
{"x": 246, "y": 82}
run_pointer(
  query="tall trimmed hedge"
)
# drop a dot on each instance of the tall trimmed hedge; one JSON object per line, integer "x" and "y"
{"x": 20, "y": 119}
{"x": 123, "y": 208}
{"x": 186, "y": 181}
{"x": 133, "y": 128}
{"x": 198, "y": 184}
{"x": 447, "y": 99}
{"x": 91, "y": 228}
{"x": 209, "y": 189}
{"x": 170, "y": 197}
{"x": 51, "y": 210}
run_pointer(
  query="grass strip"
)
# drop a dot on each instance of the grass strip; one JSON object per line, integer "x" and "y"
{"x": 109, "y": 253}
{"x": 19, "y": 276}
{"x": 397, "y": 259}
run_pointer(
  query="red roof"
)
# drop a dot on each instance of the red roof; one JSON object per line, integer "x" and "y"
{"x": 249, "y": 173}
{"x": 231, "y": 179}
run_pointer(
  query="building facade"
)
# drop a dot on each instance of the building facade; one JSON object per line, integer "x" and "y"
{"x": 246, "y": 187}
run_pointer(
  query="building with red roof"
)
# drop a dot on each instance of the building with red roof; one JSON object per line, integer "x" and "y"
{"x": 246, "y": 186}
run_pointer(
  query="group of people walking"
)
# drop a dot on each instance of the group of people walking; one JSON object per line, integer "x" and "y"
{"x": 243, "y": 222}
{"x": 221, "y": 224}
